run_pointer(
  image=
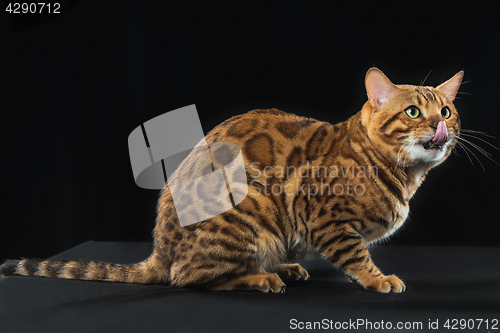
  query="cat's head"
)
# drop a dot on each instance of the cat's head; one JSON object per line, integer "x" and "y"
{"x": 411, "y": 124}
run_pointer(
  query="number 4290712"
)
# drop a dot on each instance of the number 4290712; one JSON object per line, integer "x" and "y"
{"x": 471, "y": 324}
{"x": 33, "y": 8}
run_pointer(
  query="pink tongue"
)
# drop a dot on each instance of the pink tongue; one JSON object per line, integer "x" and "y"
{"x": 441, "y": 133}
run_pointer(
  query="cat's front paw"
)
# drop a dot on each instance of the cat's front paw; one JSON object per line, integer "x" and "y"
{"x": 386, "y": 284}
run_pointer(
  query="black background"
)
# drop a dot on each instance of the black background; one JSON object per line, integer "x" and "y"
{"x": 73, "y": 88}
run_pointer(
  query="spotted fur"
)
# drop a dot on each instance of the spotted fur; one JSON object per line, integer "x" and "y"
{"x": 250, "y": 246}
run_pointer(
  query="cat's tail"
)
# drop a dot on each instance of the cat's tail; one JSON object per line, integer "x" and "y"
{"x": 143, "y": 272}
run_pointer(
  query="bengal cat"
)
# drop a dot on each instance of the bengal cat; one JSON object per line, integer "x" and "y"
{"x": 314, "y": 190}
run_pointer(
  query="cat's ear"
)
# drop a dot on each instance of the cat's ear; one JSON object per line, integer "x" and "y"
{"x": 378, "y": 88}
{"x": 450, "y": 87}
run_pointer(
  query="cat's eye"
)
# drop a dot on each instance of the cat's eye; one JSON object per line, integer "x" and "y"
{"x": 445, "y": 112}
{"x": 412, "y": 112}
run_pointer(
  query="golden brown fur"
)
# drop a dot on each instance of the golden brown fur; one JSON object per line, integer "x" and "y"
{"x": 296, "y": 168}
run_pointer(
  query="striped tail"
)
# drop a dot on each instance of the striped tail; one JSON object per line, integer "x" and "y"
{"x": 142, "y": 272}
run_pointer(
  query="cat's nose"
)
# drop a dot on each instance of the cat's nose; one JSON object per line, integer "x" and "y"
{"x": 434, "y": 120}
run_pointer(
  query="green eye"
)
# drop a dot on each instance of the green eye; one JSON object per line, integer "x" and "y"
{"x": 445, "y": 112}
{"x": 412, "y": 112}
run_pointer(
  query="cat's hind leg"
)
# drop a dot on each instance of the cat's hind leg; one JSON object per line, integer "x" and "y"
{"x": 292, "y": 272}
{"x": 269, "y": 282}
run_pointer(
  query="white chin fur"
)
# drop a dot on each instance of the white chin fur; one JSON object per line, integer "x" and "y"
{"x": 419, "y": 154}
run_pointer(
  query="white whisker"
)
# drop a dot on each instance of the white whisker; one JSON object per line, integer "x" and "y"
{"x": 466, "y": 153}
{"x": 478, "y": 132}
{"x": 481, "y": 150}
{"x": 423, "y": 81}
{"x": 478, "y": 138}
{"x": 465, "y": 148}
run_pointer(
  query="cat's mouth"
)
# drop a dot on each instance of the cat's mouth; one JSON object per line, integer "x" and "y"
{"x": 440, "y": 138}
{"x": 432, "y": 145}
